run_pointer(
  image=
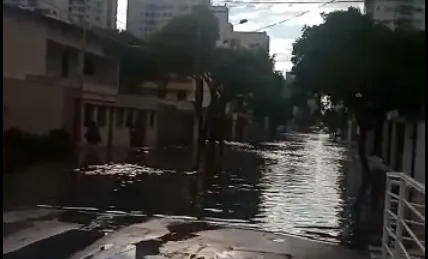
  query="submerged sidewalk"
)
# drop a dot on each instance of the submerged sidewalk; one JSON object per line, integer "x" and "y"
{"x": 50, "y": 233}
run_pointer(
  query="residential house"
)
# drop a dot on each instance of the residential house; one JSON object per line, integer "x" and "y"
{"x": 175, "y": 109}
{"x": 41, "y": 88}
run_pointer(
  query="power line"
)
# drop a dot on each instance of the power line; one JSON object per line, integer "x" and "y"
{"x": 282, "y": 2}
{"x": 295, "y": 16}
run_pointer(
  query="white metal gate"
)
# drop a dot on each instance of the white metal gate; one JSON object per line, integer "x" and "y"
{"x": 404, "y": 218}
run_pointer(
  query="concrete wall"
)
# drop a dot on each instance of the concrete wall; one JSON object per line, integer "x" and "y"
{"x": 174, "y": 126}
{"x": 33, "y": 107}
{"x": 251, "y": 40}
{"x": 24, "y": 46}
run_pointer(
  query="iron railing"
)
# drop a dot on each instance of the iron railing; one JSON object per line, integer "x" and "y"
{"x": 404, "y": 218}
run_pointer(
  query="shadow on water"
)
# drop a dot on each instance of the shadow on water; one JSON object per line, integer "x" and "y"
{"x": 303, "y": 185}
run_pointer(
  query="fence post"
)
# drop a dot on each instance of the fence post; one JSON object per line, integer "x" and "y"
{"x": 400, "y": 216}
{"x": 387, "y": 203}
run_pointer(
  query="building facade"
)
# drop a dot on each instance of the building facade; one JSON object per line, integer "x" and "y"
{"x": 230, "y": 38}
{"x": 95, "y": 13}
{"x": 397, "y": 13}
{"x": 53, "y": 8}
{"x": 144, "y": 17}
{"x": 41, "y": 90}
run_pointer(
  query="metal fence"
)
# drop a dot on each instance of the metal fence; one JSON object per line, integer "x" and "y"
{"x": 404, "y": 218}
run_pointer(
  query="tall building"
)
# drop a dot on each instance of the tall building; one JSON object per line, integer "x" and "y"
{"x": 225, "y": 27}
{"x": 397, "y": 13}
{"x": 99, "y": 13}
{"x": 238, "y": 39}
{"x": 250, "y": 40}
{"x": 144, "y": 17}
{"x": 96, "y": 13}
{"x": 52, "y": 8}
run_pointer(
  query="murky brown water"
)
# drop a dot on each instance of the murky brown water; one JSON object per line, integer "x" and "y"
{"x": 300, "y": 185}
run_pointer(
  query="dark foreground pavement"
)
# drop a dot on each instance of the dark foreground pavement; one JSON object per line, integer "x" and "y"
{"x": 79, "y": 234}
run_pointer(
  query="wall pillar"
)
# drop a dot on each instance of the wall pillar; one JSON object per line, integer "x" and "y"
{"x": 393, "y": 150}
{"x": 385, "y": 138}
{"x": 233, "y": 135}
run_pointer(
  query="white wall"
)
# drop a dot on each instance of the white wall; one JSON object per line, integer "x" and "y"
{"x": 22, "y": 56}
{"x": 250, "y": 39}
{"x": 385, "y": 12}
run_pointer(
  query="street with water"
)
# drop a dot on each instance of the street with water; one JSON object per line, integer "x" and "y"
{"x": 268, "y": 199}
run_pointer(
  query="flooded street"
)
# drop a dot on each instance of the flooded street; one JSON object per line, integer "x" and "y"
{"x": 302, "y": 185}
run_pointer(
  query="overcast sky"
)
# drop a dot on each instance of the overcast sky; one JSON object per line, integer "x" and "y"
{"x": 259, "y": 15}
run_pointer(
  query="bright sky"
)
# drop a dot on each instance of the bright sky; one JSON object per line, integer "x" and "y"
{"x": 259, "y": 15}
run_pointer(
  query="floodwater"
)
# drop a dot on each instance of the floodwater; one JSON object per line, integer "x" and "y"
{"x": 303, "y": 185}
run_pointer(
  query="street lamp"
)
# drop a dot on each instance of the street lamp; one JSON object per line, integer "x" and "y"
{"x": 242, "y": 21}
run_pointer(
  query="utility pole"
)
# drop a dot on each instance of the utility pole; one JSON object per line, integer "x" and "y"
{"x": 80, "y": 79}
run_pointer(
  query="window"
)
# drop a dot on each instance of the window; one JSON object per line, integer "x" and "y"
{"x": 130, "y": 118}
{"x": 101, "y": 116}
{"x": 181, "y": 95}
{"x": 89, "y": 66}
{"x": 120, "y": 117}
{"x": 88, "y": 114}
{"x": 64, "y": 64}
{"x": 152, "y": 119}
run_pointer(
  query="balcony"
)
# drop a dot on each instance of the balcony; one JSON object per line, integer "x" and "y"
{"x": 404, "y": 218}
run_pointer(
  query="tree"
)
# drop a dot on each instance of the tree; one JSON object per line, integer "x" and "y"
{"x": 185, "y": 41}
{"x": 367, "y": 67}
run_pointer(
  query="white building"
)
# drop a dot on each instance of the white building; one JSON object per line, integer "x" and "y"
{"x": 238, "y": 39}
{"x": 396, "y": 13}
{"x": 145, "y": 17}
{"x": 99, "y": 13}
{"x": 250, "y": 39}
{"x": 96, "y": 13}
{"x": 225, "y": 27}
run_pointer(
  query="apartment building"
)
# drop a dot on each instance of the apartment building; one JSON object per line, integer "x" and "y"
{"x": 144, "y": 17}
{"x": 95, "y": 13}
{"x": 41, "y": 82}
{"x": 225, "y": 27}
{"x": 397, "y": 13}
{"x": 228, "y": 37}
{"x": 249, "y": 39}
{"x": 52, "y": 8}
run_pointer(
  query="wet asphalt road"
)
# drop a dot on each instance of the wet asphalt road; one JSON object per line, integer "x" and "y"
{"x": 303, "y": 185}
{"x": 74, "y": 234}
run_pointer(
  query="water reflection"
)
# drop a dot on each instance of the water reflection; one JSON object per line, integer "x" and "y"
{"x": 297, "y": 185}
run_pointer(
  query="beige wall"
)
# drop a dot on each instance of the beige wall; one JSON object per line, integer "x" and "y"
{"x": 22, "y": 56}
{"x": 31, "y": 106}
{"x": 120, "y": 136}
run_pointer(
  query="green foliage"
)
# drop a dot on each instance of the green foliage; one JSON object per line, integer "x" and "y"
{"x": 241, "y": 71}
{"x": 385, "y": 67}
{"x": 230, "y": 73}
{"x": 175, "y": 46}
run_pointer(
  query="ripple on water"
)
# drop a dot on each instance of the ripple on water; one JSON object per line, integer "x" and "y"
{"x": 294, "y": 186}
